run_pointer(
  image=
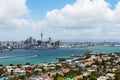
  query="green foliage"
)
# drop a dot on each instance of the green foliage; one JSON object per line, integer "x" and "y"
{"x": 117, "y": 76}
{"x": 11, "y": 65}
{"x": 22, "y": 77}
{"x": 28, "y": 75}
{"x": 1, "y": 65}
{"x": 85, "y": 78}
{"x": 12, "y": 72}
{"x": 58, "y": 77}
{"x": 93, "y": 78}
{"x": 36, "y": 72}
{"x": 14, "y": 78}
{"x": 65, "y": 65}
{"x": 44, "y": 71}
{"x": 1, "y": 72}
{"x": 27, "y": 63}
{"x": 87, "y": 56}
{"x": 18, "y": 65}
{"x": 96, "y": 74}
{"x": 57, "y": 67}
{"x": 71, "y": 73}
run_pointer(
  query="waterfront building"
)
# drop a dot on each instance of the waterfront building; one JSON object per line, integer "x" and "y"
{"x": 18, "y": 45}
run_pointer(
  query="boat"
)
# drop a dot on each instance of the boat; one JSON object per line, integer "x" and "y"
{"x": 37, "y": 55}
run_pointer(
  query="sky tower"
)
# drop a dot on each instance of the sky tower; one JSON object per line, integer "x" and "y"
{"x": 41, "y": 36}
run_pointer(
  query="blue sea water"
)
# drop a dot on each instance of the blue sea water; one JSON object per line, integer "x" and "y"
{"x": 50, "y": 55}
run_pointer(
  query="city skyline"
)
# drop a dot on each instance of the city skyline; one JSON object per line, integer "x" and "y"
{"x": 60, "y": 19}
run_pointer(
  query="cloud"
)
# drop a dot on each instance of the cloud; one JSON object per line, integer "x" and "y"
{"x": 14, "y": 20}
{"x": 84, "y": 19}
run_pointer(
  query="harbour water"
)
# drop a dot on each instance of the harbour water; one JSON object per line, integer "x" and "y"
{"x": 50, "y": 55}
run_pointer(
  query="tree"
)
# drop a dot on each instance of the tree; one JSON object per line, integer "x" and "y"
{"x": 71, "y": 73}
{"x": 12, "y": 72}
{"x": 97, "y": 74}
{"x": 117, "y": 76}
{"x": 11, "y": 65}
{"x": 18, "y": 65}
{"x": 36, "y": 72}
{"x": 58, "y": 77}
{"x": 1, "y": 72}
{"x": 28, "y": 75}
{"x": 57, "y": 67}
{"x": 85, "y": 78}
{"x": 1, "y": 65}
{"x": 22, "y": 77}
{"x": 93, "y": 78}
{"x": 27, "y": 63}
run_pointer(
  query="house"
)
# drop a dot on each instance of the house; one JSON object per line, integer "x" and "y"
{"x": 37, "y": 69}
{"x": 19, "y": 70}
{"x": 81, "y": 65}
{"x": 29, "y": 71}
{"x": 78, "y": 77}
{"x": 114, "y": 69}
{"x": 10, "y": 68}
{"x": 89, "y": 62}
{"x": 90, "y": 70}
{"x": 102, "y": 78}
{"x": 108, "y": 70}
{"x": 111, "y": 76}
{"x": 100, "y": 59}
{"x": 46, "y": 76}
{"x": 36, "y": 78}
{"x": 86, "y": 73}
{"x": 65, "y": 70}
{"x": 59, "y": 64}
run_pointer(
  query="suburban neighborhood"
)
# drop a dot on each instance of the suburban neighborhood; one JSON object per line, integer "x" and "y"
{"x": 92, "y": 66}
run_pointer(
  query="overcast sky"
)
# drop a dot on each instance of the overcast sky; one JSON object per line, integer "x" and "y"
{"x": 59, "y": 19}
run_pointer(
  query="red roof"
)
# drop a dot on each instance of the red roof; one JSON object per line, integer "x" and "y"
{"x": 77, "y": 77}
{"x": 28, "y": 71}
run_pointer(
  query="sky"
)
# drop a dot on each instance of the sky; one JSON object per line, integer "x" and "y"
{"x": 59, "y": 19}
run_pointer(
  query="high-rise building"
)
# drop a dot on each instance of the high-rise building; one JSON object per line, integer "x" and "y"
{"x": 30, "y": 41}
